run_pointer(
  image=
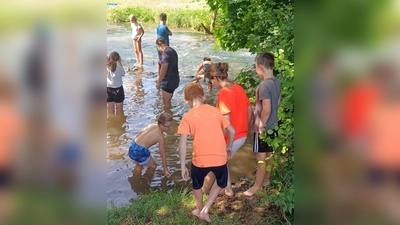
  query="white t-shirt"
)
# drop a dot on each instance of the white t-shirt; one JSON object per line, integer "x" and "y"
{"x": 136, "y": 30}
{"x": 114, "y": 79}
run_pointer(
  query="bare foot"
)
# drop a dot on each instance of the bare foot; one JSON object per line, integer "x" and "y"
{"x": 196, "y": 213}
{"x": 229, "y": 192}
{"x": 251, "y": 191}
{"x": 266, "y": 183}
{"x": 204, "y": 216}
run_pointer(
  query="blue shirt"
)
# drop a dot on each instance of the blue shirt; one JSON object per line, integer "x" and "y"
{"x": 162, "y": 31}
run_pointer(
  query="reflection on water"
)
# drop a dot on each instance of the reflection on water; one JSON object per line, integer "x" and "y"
{"x": 143, "y": 104}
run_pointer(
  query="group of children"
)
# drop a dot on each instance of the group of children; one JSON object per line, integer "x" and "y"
{"x": 218, "y": 132}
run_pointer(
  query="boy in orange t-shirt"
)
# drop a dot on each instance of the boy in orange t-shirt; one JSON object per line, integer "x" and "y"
{"x": 210, "y": 152}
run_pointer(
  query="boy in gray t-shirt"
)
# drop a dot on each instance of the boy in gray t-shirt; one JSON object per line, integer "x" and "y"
{"x": 268, "y": 96}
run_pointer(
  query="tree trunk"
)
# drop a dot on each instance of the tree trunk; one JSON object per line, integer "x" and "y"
{"x": 205, "y": 29}
{"x": 213, "y": 18}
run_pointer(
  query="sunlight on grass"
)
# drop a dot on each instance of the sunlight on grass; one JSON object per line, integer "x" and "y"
{"x": 164, "y": 210}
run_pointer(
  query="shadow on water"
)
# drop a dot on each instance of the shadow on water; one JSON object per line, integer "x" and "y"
{"x": 143, "y": 104}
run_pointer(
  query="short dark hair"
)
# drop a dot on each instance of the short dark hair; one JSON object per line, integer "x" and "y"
{"x": 206, "y": 59}
{"x": 163, "y": 17}
{"x": 160, "y": 41}
{"x": 163, "y": 118}
{"x": 266, "y": 59}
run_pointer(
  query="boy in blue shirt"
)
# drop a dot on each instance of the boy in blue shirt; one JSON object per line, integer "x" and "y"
{"x": 163, "y": 31}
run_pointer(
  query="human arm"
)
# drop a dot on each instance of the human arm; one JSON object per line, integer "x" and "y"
{"x": 161, "y": 74}
{"x": 163, "y": 157}
{"x": 265, "y": 113}
{"x": 182, "y": 157}
{"x": 249, "y": 114}
{"x": 199, "y": 68}
{"x": 169, "y": 32}
{"x": 141, "y": 30}
{"x": 279, "y": 101}
{"x": 231, "y": 137}
{"x": 228, "y": 117}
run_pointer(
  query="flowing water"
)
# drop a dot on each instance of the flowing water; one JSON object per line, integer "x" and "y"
{"x": 143, "y": 104}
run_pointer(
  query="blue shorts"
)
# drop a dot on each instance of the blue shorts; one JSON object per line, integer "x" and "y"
{"x": 198, "y": 174}
{"x": 139, "y": 154}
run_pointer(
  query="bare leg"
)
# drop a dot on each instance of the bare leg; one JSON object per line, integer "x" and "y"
{"x": 110, "y": 107}
{"x": 151, "y": 163}
{"x": 268, "y": 174}
{"x": 138, "y": 51}
{"x": 211, "y": 198}
{"x": 228, "y": 189}
{"x": 270, "y": 163}
{"x": 261, "y": 172}
{"x": 198, "y": 195}
{"x": 120, "y": 108}
{"x": 149, "y": 173}
{"x": 6, "y": 205}
{"x": 138, "y": 169}
{"x": 209, "y": 180}
{"x": 167, "y": 99}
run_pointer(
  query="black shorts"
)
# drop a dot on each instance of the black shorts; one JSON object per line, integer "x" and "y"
{"x": 379, "y": 177}
{"x": 116, "y": 95}
{"x": 198, "y": 174}
{"x": 169, "y": 86}
{"x": 5, "y": 178}
{"x": 260, "y": 145}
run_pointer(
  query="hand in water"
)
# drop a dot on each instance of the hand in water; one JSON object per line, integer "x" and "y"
{"x": 167, "y": 173}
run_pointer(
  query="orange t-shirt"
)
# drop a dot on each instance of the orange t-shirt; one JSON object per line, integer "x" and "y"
{"x": 234, "y": 101}
{"x": 11, "y": 130}
{"x": 205, "y": 124}
{"x": 383, "y": 138}
{"x": 358, "y": 103}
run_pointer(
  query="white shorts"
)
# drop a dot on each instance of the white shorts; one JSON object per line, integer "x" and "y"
{"x": 237, "y": 144}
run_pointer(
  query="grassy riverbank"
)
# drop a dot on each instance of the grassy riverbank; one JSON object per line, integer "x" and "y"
{"x": 176, "y": 207}
{"x": 181, "y": 14}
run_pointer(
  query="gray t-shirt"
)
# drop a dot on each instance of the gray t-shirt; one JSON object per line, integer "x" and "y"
{"x": 114, "y": 79}
{"x": 268, "y": 89}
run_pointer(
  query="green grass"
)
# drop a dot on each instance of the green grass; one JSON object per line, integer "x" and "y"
{"x": 180, "y": 18}
{"x": 176, "y": 207}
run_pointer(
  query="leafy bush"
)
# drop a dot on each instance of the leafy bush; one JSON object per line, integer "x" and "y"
{"x": 266, "y": 25}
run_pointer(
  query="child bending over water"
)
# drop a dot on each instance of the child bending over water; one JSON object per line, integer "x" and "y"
{"x": 149, "y": 136}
